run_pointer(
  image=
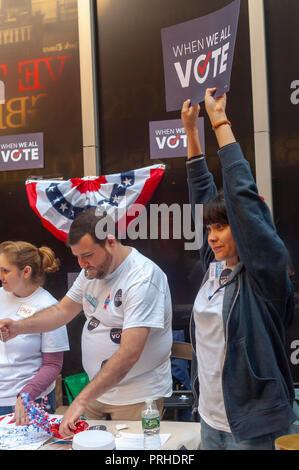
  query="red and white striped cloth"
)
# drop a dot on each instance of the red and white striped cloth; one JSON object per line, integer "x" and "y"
{"x": 58, "y": 202}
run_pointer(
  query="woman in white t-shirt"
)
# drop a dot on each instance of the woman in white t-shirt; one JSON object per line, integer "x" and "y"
{"x": 29, "y": 363}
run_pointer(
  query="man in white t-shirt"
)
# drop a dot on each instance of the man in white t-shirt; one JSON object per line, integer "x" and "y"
{"x": 127, "y": 337}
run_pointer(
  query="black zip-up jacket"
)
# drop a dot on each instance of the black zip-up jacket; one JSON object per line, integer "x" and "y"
{"x": 258, "y": 302}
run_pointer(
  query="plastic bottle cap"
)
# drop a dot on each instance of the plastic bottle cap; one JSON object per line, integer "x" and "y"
{"x": 93, "y": 440}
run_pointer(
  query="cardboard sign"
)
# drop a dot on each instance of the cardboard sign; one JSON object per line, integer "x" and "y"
{"x": 168, "y": 138}
{"x": 198, "y": 54}
{"x": 21, "y": 152}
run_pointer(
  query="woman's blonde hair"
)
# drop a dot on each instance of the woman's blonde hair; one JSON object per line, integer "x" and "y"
{"x": 41, "y": 260}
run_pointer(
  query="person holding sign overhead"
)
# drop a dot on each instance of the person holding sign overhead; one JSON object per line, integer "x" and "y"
{"x": 245, "y": 300}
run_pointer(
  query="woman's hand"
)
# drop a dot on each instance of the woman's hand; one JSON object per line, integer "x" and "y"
{"x": 215, "y": 107}
{"x": 21, "y": 417}
{"x": 189, "y": 115}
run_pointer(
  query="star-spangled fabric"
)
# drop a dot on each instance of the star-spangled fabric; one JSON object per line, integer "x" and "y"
{"x": 58, "y": 202}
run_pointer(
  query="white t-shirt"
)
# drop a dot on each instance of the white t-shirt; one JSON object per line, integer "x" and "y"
{"x": 210, "y": 351}
{"x": 21, "y": 357}
{"x": 136, "y": 294}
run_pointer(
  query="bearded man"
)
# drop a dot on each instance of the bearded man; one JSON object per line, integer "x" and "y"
{"x": 127, "y": 336}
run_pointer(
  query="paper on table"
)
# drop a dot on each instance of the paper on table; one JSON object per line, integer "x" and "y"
{"x": 18, "y": 438}
{"x": 14, "y": 437}
{"x": 129, "y": 441}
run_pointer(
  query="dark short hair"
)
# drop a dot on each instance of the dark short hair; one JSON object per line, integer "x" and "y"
{"x": 85, "y": 224}
{"x": 214, "y": 211}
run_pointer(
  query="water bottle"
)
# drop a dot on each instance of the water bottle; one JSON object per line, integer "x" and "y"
{"x": 151, "y": 426}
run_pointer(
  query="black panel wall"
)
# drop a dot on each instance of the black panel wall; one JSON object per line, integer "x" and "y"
{"x": 31, "y": 36}
{"x": 282, "y": 34}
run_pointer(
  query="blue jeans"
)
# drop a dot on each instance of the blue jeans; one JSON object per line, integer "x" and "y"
{"x": 51, "y": 407}
{"x": 212, "y": 439}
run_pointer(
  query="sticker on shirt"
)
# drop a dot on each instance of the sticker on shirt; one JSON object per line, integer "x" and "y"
{"x": 26, "y": 311}
{"x": 92, "y": 300}
{"x": 115, "y": 335}
{"x": 107, "y": 302}
{"x": 215, "y": 269}
{"x": 118, "y": 298}
{"x": 224, "y": 276}
{"x": 93, "y": 323}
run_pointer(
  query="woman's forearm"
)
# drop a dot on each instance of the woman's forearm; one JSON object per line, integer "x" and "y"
{"x": 50, "y": 369}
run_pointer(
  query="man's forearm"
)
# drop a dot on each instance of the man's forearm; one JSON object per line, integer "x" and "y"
{"x": 50, "y": 318}
{"x": 117, "y": 367}
{"x": 109, "y": 376}
{"x": 46, "y": 320}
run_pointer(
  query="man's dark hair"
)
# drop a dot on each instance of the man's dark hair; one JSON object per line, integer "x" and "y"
{"x": 214, "y": 211}
{"x": 85, "y": 223}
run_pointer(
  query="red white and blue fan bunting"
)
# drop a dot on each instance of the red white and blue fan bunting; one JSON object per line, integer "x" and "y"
{"x": 58, "y": 202}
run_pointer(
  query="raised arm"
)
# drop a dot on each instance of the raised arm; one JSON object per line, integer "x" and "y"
{"x": 259, "y": 247}
{"x": 189, "y": 115}
{"x": 200, "y": 181}
{"x": 216, "y": 109}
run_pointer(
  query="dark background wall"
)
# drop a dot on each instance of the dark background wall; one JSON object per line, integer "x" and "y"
{"x": 131, "y": 93}
{"x": 45, "y": 105}
{"x": 282, "y": 36}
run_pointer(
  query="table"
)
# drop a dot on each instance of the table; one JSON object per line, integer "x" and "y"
{"x": 185, "y": 434}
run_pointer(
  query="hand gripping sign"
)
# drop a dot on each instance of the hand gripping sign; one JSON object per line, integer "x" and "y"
{"x": 198, "y": 54}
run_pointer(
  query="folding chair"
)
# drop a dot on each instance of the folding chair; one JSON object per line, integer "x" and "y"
{"x": 180, "y": 399}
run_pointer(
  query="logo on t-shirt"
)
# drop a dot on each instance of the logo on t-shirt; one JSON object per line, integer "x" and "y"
{"x": 92, "y": 300}
{"x": 118, "y": 298}
{"x": 93, "y": 323}
{"x": 107, "y": 302}
{"x": 115, "y": 335}
{"x": 224, "y": 276}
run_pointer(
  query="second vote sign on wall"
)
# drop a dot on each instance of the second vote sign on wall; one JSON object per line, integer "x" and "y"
{"x": 168, "y": 139}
